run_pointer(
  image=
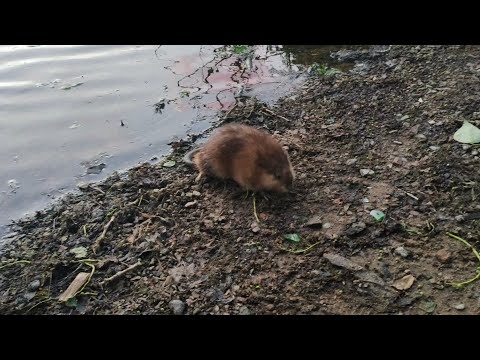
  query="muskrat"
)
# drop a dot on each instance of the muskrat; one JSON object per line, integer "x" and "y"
{"x": 251, "y": 157}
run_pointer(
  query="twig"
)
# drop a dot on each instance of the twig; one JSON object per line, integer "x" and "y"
{"x": 15, "y": 262}
{"x": 301, "y": 250}
{"x": 275, "y": 114}
{"x": 230, "y": 111}
{"x": 34, "y": 306}
{"x": 251, "y": 111}
{"x": 98, "y": 189}
{"x": 121, "y": 273}
{"x": 87, "y": 262}
{"x": 100, "y": 238}
{"x": 408, "y": 194}
{"x": 255, "y": 209}
{"x": 476, "y": 254}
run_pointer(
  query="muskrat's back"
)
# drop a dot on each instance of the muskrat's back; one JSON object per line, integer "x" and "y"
{"x": 251, "y": 157}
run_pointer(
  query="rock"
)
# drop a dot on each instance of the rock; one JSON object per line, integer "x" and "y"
{"x": 474, "y": 153}
{"x": 177, "y": 306}
{"x": 29, "y": 295}
{"x": 96, "y": 169}
{"x": 434, "y": 148}
{"x": 405, "y": 301}
{"x": 255, "y": 228}
{"x": 190, "y": 204}
{"x": 404, "y": 283}
{"x": 314, "y": 221}
{"x": 355, "y": 228}
{"x": 208, "y": 224}
{"x": 370, "y": 276}
{"x": 365, "y": 172}
{"x": 244, "y": 311}
{"x": 350, "y": 162}
{"x": 459, "y": 218}
{"x": 401, "y": 251}
{"x": 459, "y": 306}
{"x": 443, "y": 255}
{"x": 345, "y": 55}
{"x": 343, "y": 262}
{"x": 421, "y": 137}
{"x": 82, "y": 185}
{"x": 195, "y": 193}
{"x": 327, "y": 226}
{"x": 33, "y": 286}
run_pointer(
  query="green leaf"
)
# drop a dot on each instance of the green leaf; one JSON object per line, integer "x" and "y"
{"x": 468, "y": 134}
{"x": 72, "y": 302}
{"x": 377, "y": 215}
{"x": 79, "y": 252}
{"x": 240, "y": 49}
{"x": 428, "y": 306}
{"x": 292, "y": 237}
{"x": 169, "y": 164}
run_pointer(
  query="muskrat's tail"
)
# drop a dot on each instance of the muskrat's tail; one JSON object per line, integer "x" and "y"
{"x": 187, "y": 158}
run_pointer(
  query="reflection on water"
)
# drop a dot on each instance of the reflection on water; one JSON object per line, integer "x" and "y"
{"x": 65, "y": 110}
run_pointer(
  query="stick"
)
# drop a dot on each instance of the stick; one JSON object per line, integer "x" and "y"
{"x": 100, "y": 238}
{"x": 230, "y": 111}
{"x": 301, "y": 250}
{"x": 255, "y": 210}
{"x": 408, "y": 194}
{"x": 272, "y": 113}
{"x": 121, "y": 273}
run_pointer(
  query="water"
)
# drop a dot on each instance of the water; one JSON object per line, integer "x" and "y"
{"x": 64, "y": 110}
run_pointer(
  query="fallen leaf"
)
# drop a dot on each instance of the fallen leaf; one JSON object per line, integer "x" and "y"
{"x": 343, "y": 262}
{"x": 369, "y": 276}
{"x": 467, "y": 134}
{"x": 428, "y": 306}
{"x": 404, "y": 283}
{"x": 79, "y": 252}
{"x": 292, "y": 237}
{"x": 75, "y": 285}
{"x": 72, "y": 302}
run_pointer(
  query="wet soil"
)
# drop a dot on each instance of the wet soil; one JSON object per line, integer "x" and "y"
{"x": 152, "y": 241}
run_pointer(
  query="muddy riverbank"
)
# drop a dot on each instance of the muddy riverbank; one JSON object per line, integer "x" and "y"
{"x": 378, "y": 137}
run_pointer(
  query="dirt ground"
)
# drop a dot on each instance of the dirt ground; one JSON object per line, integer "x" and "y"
{"x": 152, "y": 241}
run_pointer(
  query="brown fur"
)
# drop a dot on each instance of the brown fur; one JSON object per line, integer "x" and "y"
{"x": 251, "y": 157}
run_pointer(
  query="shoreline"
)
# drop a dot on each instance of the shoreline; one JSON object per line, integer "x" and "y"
{"x": 377, "y": 138}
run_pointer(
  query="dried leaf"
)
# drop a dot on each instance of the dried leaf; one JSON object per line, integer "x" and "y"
{"x": 76, "y": 285}
{"x": 404, "y": 283}
{"x": 338, "y": 260}
{"x": 314, "y": 221}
